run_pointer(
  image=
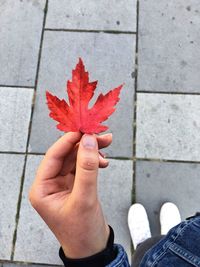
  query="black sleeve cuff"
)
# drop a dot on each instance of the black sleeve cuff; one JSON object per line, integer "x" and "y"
{"x": 100, "y": 259}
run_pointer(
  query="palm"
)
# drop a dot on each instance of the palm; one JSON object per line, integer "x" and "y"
{"x": 58, "y": 189}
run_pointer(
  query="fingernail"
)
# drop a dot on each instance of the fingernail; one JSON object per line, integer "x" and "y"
{"x": 102, "y": 154}
{"x": 108, "y": 134}
{"x": 102, "y": 158}
{"x": 88, "y": 141}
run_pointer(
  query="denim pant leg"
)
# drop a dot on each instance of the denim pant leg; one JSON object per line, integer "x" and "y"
{"x": 180, "y": 247}
{"x": 143, "y": 248}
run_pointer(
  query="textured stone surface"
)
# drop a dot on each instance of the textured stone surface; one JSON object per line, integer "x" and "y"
{"x": 39, "y": 245}
{"x": 115, "y": 185}
{"x": 11, "y": 167}
{"x": 24, "y": 265}
{"x": 90, "y": 15}
{"x": 168, "y": 126}
{"x": 158, "y": 182}
{"x": 169, "y": 42}
{"x": 117, "y": 178}
{"x": 21, "y": 26}
{"x": 15, "y": 110}
{"x": 111, "y": 67}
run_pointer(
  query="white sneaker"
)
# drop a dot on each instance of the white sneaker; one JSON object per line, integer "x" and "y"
{"x": 169, "y": 217}
{"x": 138, "y": 224}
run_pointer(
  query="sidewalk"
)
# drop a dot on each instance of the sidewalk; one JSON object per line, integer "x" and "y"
{"x": 151, "y": 46}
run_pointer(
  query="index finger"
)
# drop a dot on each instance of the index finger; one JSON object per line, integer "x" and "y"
{"x": 54, "y": 158}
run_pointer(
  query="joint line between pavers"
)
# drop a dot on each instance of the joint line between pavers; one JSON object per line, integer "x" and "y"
{"x": 92, "y": 31}
{"x": 168, "y": 160}
{"x": 133, "y": 190}
{"x": 119, "y": 158}
{"x": 28, "y": 138}
{"x": 17, "y": 86}
{"x": 167, "y": 92}
{"x": 42, "y": 154}
{"x": 13, "y": 152}
{"x": 22, "y": 263}
{"x": 18, "y": 210}
{"x": 41, "y": 43}
{"x": 135, "y": 104}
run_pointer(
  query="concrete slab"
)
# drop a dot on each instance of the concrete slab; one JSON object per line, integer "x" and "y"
{"x": 111, "y": 67}
{"x": 168, "y": 126}
{"x": 158, "y": 182}
{"x": 10, "y": 264}
{"x": 169, "y": 41}
{"x": 21, "y": 27}
{"x": 40, "y": 245}
{"x": 11, "y": 168}
{"x": 115, "y": 187}
{"x": 90, "y": 15}
{"x": 15, "y": 109}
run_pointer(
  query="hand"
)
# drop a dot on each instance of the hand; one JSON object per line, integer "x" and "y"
{"x": 64, "y": 193}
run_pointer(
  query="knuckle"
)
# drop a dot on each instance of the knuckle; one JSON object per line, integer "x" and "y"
{"x": 89, "y": 163}
{"x": 90, "y": 203}
{"x": 33, "y": 198}
{"x": 48, "y": 152}
{"x": 84, "y": 204}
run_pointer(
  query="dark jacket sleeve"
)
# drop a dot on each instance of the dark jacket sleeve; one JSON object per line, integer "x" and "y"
{"x": 100, "y": 259}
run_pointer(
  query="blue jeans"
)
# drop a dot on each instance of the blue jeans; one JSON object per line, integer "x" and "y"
{"x": 180, "y": 247}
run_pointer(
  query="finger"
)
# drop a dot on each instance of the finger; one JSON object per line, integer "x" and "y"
{"x": 69, "y": 164}
{"x": 103, "y": 163}
{"x": 53, "y": 160}
{"x": 85, "y": 184}
{"x": 104, "y": 140}
{"x": 63, "y": 146}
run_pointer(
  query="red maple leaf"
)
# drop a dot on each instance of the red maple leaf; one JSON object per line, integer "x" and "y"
{"x": 76, "y": 116}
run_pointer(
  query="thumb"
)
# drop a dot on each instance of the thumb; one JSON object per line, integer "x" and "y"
{"x": 85, "y": 184}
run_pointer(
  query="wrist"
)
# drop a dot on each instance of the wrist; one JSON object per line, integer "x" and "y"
{"x": 88, "y": 244}
{"x": 102, "y": 258}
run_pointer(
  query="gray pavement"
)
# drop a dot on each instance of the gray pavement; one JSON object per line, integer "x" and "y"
{"x": 151, "y": 46}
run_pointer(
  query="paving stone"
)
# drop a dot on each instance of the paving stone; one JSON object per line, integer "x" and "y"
{"x": 111, "y": 67}
{"x": 15, "y": 109}
{"x": 11, "y": 168}
{"x": 35, "y": 242}
{"x": 115, "y": 186}
{"x": 92, "y": 15}
{"x": 25, "y": 265}
{"x": 169, "y": 42}
{"x": 159, "y": 182}
{"x": 40, "y": 246}
{"x": 168, "y": 126}
{"x": 21, "y": 26}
